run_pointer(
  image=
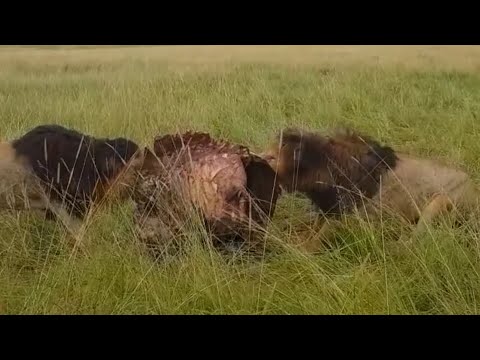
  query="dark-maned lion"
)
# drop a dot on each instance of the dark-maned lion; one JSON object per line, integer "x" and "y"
{"x": 234, "y": 191}
{"x": 349, "y": 171}
{"x": 62, "y": 172}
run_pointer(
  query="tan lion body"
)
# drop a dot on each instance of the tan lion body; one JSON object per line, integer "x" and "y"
{"x": 54, "y": 151}
{"x": 415, "y": 183}
{"x": 350, "y": 172}
{"x": 19, "y": 188}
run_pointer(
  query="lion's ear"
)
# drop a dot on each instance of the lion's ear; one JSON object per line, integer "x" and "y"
{"x": 150, "y": 161}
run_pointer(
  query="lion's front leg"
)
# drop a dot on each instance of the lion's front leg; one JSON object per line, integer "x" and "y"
{"x": 321, "y": 239}
{"x": 75, "y": 227}
{"x": 439, "y": 205}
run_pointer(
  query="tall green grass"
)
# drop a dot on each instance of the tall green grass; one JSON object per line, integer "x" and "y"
{"x": 433, "y": 113}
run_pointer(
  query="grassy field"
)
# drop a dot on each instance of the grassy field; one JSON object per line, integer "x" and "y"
{"x": 422, "y": 100}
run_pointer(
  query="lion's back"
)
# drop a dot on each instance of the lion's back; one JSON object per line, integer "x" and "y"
{"x": 415, "y": 181}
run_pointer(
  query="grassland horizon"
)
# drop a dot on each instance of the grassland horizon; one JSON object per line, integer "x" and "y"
{"x": 423, "y": 100}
